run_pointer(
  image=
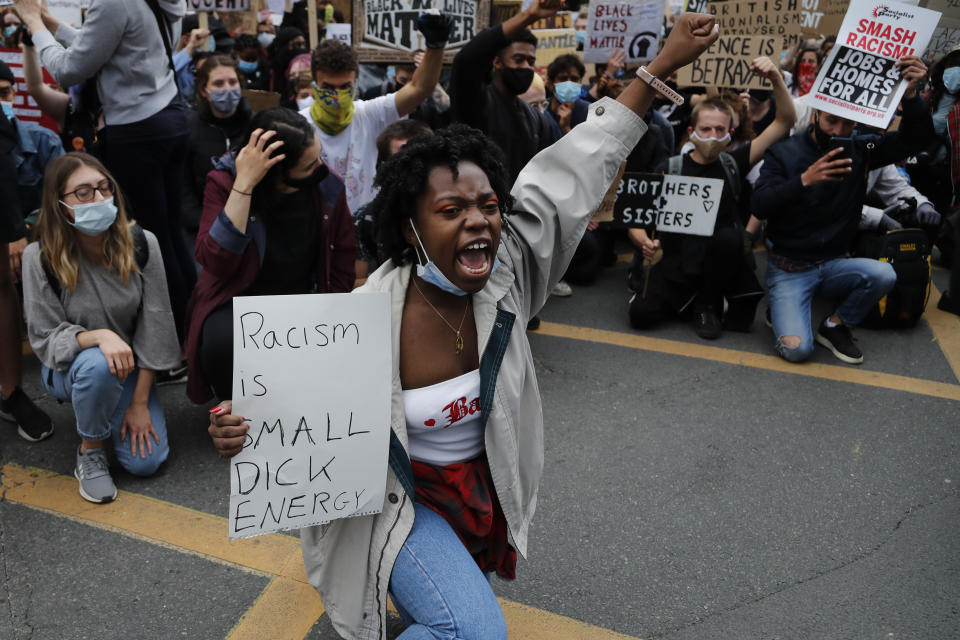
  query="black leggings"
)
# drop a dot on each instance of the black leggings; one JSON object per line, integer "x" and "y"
{"x": 147, "y": 158}
{"x": 216, "y": 351}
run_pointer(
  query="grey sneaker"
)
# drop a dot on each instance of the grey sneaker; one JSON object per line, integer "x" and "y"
{"x": 562, "y": 290}
{"x": 96, "y": 485}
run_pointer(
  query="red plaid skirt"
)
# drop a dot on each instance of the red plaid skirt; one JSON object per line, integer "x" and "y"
{"x": 463, "y": 493}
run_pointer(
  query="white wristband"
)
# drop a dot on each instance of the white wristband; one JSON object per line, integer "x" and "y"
{"x": 659, "y": 86}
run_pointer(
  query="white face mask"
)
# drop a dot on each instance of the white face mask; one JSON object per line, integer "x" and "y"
{"x": 303, "y": 103}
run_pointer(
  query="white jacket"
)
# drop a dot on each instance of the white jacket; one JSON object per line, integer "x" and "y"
{"x": 350, "y": 561}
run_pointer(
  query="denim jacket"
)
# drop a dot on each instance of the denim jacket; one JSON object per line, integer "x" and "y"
{"x": 37, "y": 147}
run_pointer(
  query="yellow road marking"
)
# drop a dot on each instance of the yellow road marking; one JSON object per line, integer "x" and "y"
{"x": 755, "y": 360}
{"x": 288, "y": 607}
{"x": 946, "y": 329}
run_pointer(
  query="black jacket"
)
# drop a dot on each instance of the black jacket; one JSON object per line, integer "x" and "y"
{"x": 820, "y": 222}
{"x": 517, "y": 128}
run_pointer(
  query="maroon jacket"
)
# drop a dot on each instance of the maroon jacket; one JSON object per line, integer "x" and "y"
{"x": 231, "y": 259}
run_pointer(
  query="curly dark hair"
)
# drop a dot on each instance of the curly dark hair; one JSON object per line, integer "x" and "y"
{"x": 295, "y": 133}
{"x": 245, "y": 41}
{"x": 402, "y": 178}
{"x": 333, "y": 56}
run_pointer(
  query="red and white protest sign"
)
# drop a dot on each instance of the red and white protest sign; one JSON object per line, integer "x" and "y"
{"x": 860, "y": 80}
{"x": 25, "y": 108}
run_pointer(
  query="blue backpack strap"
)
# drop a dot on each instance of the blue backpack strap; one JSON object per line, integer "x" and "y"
{"x": 489, "y": 368}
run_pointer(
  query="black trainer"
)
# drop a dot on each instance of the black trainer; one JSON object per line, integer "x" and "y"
{"x": 706, "y": 322}
{"x": 32, "y": 423}
{"x": 172, "y": 376}
{"x": 840, "y": 341}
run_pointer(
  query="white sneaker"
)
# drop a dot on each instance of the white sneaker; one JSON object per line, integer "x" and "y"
{"x": 562, "y": 290}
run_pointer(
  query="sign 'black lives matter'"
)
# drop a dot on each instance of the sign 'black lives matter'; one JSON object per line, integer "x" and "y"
{"x": 386, "y": 30}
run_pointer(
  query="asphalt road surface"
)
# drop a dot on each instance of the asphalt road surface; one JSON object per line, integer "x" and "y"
{"x": 692, "y": 491}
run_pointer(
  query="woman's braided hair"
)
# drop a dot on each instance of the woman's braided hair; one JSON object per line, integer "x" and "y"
{"x": 403, "y": 178}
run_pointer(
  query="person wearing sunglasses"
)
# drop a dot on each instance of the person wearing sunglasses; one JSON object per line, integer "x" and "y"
{"x": 99, "y": 318}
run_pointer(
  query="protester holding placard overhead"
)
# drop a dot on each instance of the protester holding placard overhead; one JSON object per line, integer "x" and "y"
{"x": 127, "y": 46}
{"x": 463, "y": 283}
{"x": 698, "y": 274}
{"x": 275, "y": 222}
{"x": 99, "y": 319}
{"x": 347, "y": 127}
{"x": 811, "y": 191}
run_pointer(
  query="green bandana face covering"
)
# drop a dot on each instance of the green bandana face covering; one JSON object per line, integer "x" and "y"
{"x": 332, "y": 109}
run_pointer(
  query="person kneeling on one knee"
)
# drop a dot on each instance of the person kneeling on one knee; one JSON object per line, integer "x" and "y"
{"x": 811, "y": 191}
{"x": 98, "y": 317}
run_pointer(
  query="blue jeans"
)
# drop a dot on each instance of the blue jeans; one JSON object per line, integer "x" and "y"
{"x": 100, "y": 400}
{"x": 859, "y": 283}
{"x": 438, "y": 588}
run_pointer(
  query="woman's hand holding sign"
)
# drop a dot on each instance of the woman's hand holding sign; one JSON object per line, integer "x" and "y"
{"x": 227, "y": 430}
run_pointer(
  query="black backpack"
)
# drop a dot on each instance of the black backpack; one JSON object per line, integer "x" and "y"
{"x": 141, "y": 254}
{"x": 908, "y": 250}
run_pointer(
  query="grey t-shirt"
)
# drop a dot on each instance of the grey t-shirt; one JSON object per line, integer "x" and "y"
{"x": 138, "y": 311}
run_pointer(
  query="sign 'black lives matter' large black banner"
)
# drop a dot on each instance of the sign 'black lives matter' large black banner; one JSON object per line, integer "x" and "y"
{"x": 386, "y": 30}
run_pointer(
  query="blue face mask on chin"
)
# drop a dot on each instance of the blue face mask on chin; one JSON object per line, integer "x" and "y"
{"x": 951, "y": 79}
{"x": 431, "y": 273}
{"x": 93, "y": 218}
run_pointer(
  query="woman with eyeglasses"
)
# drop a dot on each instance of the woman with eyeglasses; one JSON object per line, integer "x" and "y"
{"x": 99, "y": 319}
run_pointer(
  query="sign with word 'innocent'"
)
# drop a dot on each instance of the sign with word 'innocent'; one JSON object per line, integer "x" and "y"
{"x": 678, "y": 204}
{"x": 860, "y": 80}
{"x": 727, "y": 63}
{"x": 312, "y": 377}
{"x": 631, "y": 25}
{"x": 218, "y": 5}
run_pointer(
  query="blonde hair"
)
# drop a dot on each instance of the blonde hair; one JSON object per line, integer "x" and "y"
{"x": 58, "y": 240}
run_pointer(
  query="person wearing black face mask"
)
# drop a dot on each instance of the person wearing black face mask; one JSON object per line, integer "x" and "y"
{"x": 762, "y": 108}
{"x": 275, "y": 221}
{"x": 489, "y": 73}
{"x": 811, "y": 193}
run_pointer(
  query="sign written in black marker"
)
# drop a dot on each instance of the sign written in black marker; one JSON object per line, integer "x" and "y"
{"x": 678, "y": 204}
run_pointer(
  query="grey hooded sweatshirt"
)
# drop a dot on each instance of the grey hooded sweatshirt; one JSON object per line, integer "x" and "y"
{"x": 121, "y": 41}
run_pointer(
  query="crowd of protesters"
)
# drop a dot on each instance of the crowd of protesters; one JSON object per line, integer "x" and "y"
{"x": 159, "y": 150}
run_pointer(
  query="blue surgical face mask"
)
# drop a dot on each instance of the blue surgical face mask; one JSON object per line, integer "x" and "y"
{"x": 431, "y": 273}
{"x": 225, "y": 100}
{"x": 266, "y": 39}
{"x": 7, "y": 109}
{"x": 10, "y": 30}
{"x": 581, "y": 36}
{"x": 567, "y": 91}
{"x": 93, "y": 218}
{"x": 247, "y": 67}
{"x": 951, "y": 79}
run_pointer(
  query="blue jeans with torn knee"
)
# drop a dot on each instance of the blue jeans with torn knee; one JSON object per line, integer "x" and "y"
{"x": 859, "y": 283}
{"x": 100, "y": 400}
{"x": 439, "y": 590}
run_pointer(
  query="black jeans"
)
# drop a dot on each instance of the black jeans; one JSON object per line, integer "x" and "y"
{"x": 216, "y": 351}
{"x": 147, "y": 158}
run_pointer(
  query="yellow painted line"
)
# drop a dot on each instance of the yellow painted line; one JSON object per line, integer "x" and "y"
{"x": 946, "y": 330}
{"x": 286, "y": 610}
{"x": 755, "y": 360}
{"x": 288, "y": 607}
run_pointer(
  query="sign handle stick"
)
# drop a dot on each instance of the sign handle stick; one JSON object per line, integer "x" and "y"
{"x": 312, "y": 23}
{"x": 646, "y": 273}
{"x": 203, "y": 20}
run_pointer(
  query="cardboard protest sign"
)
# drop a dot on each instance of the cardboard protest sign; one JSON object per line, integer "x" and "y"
{"x": 678, "y": 204}
{"x": 386, "y": 30}
{"x": 631, "y": 25}
{"x": 503, "y": 10}
{"x": 218, "y": 5}
{"x": 727, "y": 63}
{"x": 943, "y": 40}
{"x": 25, "y": 108}
{"x": 860, "y": 80}
{"x": 821, "y": 17}
{"x": 604, "y": 212}
{"x": 261, "y": 100}
{"x": 560, "y": 20}
{"x": 339, "y": 32}
{"x": 552, "y": 43}
{"x": 312, "y": 375}
{"x": 758, "y": 17}
{"x": 67, "y": 11}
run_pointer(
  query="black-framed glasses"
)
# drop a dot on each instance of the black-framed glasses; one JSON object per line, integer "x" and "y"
{"x": 84, "y": 193}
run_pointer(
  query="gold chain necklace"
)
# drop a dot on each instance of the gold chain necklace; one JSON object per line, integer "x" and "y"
{"x": 457, "y": 330}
